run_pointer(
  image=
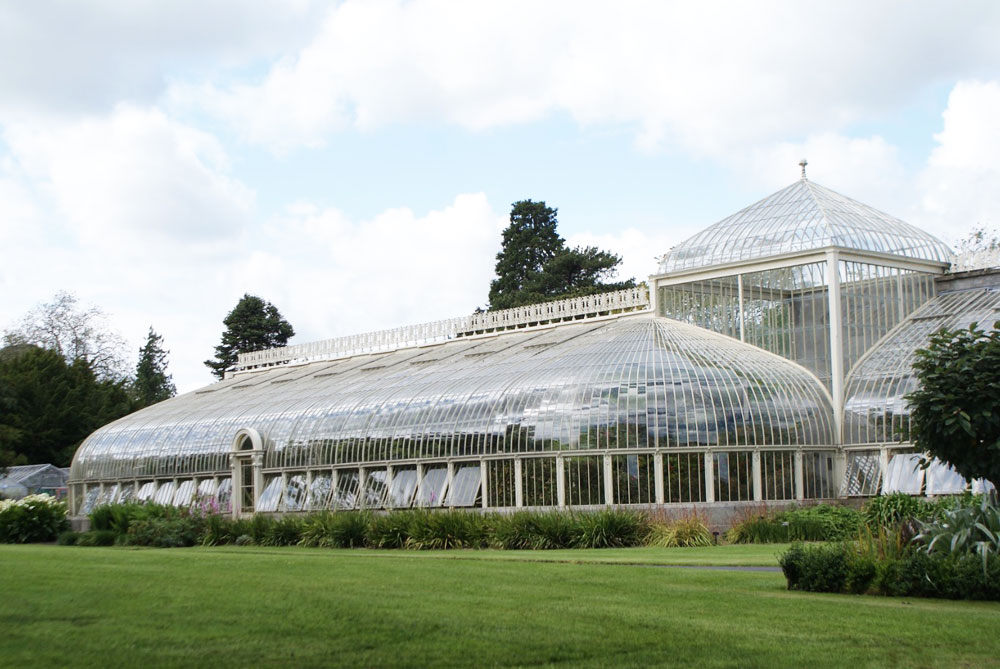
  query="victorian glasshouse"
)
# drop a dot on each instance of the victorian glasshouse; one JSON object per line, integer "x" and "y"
{"x": 767, "y": 360}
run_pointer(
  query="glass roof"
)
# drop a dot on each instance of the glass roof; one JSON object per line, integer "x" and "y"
{"x": 874, "y": 410}
{"x": 801, "y": 217}
{"x": 636, "y": 381}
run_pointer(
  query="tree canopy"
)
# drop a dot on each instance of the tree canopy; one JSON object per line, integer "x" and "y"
{"x": 152, "y": 384}
{"x": 252, "y": 325}
{"x": 955, "y": 412}
{"x": 534, "y": 264}
{"x": 50, "y": 406}
{"x": 76, "y": 332}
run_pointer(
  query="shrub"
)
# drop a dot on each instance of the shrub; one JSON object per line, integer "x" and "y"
{"x": 118, "y": 517}
{"x": 610, "y": 528}
{"x": 244, "y": 540}
{"x": 824, "y": 522}
{"x": 513, "y": 531}
{"x": 67, "y": 538}
{"x": 177, "y": 532}
{"x": 446, "y": 529}
{"x": 390, "y": 530}
{"x": 894, "y": 510}
{"x": 285, "y": 531}
{"x": 334, "y": 530}
{"x": 33, "y": 519}
{"x": 221, "y": 529}
{"x": 97, "y": 538}
{"x": 971, "y": 529}
{"x": 687, "y": 531}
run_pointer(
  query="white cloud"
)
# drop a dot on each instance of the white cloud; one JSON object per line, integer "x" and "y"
{"x": 710, "y": 77}
{"x": 134, "y": 174}
{"x": 71, "y": 57}
{"x": 959, "y": 187}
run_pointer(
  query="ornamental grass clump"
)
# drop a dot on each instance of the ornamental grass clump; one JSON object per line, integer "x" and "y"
{"x": 285, "y": 531}
{"x": 32, "y": 519}
{"x": 534, "y": 530}
{"x": 690, "y": 530}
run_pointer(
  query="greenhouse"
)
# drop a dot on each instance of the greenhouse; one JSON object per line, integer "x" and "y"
{"x": 765, "y": 361}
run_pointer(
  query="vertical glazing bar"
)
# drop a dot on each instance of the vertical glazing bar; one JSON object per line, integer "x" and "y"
{"x": 836, "y": 345}
{"x": 449, "y": 477}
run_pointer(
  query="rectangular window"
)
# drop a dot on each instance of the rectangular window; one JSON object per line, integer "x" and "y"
{"x": 584, "y": 481}
{"x": 634, "y": 479}
{"x": 684, "y": 478}
{"x": 733, "y": 476}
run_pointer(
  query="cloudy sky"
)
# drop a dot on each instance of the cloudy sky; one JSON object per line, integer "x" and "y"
{"x": 354, "y": 163}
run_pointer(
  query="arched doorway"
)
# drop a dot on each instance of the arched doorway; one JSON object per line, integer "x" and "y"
{"x": 246, "y": 460}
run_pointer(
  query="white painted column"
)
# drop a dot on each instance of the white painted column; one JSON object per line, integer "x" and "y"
{"x": 739, "y": 293}
{"x": 609, "y": 484}
{"x": 362, "y": 487}
{"x": 518, "y": 484}
{"x": 483, "y": 485}
{"x": 658, "y": 477}
{"x": 800, "y": 484}
{"x": 758, "y": 479}
{"x": 449, "y": 477}
{"x": 709, "y": 477}
{"x": 560, "y": 481}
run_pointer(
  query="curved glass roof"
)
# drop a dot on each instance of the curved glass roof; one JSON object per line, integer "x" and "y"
{"x": 636, "y": 381}
{"x": 801, "y": 217}
{"x": 875, "y": 411}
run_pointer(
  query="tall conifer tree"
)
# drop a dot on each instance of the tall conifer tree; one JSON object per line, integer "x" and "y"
{"x": 252, "y": 325}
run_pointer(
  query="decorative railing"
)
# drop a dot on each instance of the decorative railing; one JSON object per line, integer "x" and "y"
{"x": 575, "y": 309}
{"x": 964, "y": 262}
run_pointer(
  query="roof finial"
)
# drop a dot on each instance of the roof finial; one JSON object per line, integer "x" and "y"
{"x": 802, "y": 164}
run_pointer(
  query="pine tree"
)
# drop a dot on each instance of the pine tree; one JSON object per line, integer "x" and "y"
{"x": 252, "y": 325}
{"x": 529, "y": 242}
{"x": 534, "y": 264}
{"x": 152, "y": 384}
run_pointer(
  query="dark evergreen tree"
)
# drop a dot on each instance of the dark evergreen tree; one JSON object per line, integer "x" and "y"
{"x": 252, "y": 325}
{"x": 53, "y": 406}
{"x": 152, "y": 384}
{"x": 534, "y": 264}
{"x": 528, "y": 243}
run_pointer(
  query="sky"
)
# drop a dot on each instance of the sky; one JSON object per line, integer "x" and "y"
{"x": 354, "y": 163}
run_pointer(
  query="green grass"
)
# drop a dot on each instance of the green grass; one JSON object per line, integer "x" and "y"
{"x": 313, "y": 607}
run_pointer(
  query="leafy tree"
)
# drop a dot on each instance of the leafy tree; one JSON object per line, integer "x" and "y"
{"x": 252, "y": 325}
{"x": 534, "y": 264}
{"x": 52, "y": 405}
{"x": 980, "y": 239}
{"x": 152, "y": 384}
{"x": 955, "y": 412}
{"x": 77, "y": 333}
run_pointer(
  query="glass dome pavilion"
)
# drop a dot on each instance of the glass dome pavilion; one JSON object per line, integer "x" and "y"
{"x": 748, "y": 371}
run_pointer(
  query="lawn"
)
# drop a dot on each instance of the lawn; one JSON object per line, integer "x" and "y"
{"x": 313, "y": 607}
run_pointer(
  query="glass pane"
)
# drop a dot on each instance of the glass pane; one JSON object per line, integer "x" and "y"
{"x": 165, "y": 493}
{"x": 146, "y": 491}
{"x": 348, "y": 486}
{"x": 294, "y": 498}
{"x": 500, "y": 483}
{"x": 404, "y": 484}
{"x": 376, "y": 490}
{"x": 465, "y": 486}
{"x": 733, "y": 474}
{"x": 864, "y": 475}
{"x": 942, "y": 479}
{"x": 319, "y": 491}
{"x": 225, "y": 495}
{"x": 538, "y": 476}
{"x": 635, "y": 479}
{"x": 184, "y": 494}
{"x": 432, "y": 487}
{"x": 904, "y": 474}
{"x": 271, "y": 497}
{"x": 584, "y": 481}
{"x": 817, "y": 475}
{"x": 777, "y": 474}
{"x": 684, "y": 478}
